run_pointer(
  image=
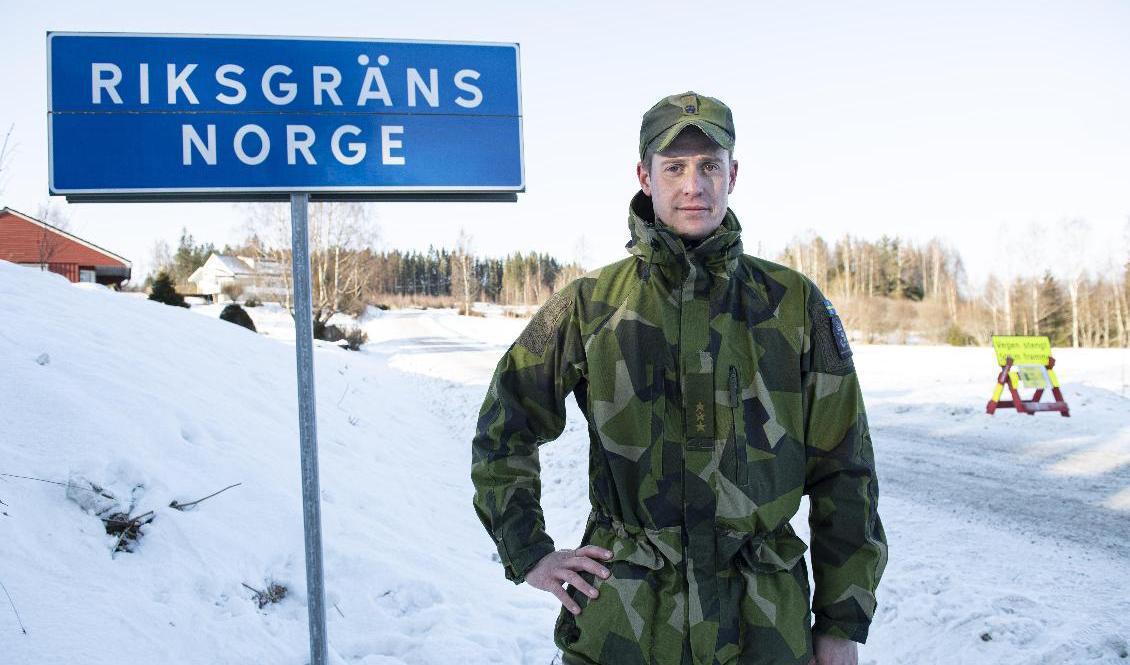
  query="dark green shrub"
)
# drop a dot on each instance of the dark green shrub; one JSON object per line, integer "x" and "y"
{"x": 163, "y": 291}
{"x": 233, "y": 313}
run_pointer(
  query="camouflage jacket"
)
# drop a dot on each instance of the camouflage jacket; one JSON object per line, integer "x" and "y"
{"x": 717, "y": 394}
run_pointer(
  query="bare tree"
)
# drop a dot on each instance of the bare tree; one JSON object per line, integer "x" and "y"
{"x": 1033, "y": 247}
{"x": 581, "y": 252}
{"x": 572, "y": 271}
{"x": 48, "y": 244}
{"x": 339, "y": 232}
{"x": 267, "y": 226}
{"x": 7, "y": 147}
{"x": 1122, "y": 289}
{"x": 934, "y": 256}
{"x": 340, "y": 236}
{"x": 990, "y": 294}
{"x": 1075, "y": 264}
{"x": 463, "y": 280}
{"x": 161, "y": 257}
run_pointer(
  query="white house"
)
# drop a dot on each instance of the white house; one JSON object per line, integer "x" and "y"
{"x": 254, "y": 277}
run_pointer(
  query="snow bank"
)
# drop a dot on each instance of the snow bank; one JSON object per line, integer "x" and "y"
{"x": 139, "y": 394}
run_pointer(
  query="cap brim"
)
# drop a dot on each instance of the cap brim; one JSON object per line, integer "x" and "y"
{"x": 716, "y": 134}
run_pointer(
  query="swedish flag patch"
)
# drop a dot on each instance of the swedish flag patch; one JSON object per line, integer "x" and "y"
{"x": 839, "y": 335}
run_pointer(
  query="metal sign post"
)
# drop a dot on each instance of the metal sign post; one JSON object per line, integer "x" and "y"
{"x": 308, "y": 425}
{"x": 162, "y": 118}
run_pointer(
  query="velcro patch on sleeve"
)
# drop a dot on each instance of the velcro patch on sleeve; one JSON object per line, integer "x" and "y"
{"x": 839, "y": 335}
{"x": 545, "y": 322}
{"x": 829, "y": 339}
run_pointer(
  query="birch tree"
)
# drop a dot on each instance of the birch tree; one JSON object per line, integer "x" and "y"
{"x": 340, "y": 235}
{"x": 1075, "y": 262}
{"x": 463, "y": 281}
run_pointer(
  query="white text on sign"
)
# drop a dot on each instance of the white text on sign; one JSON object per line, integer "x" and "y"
{"x": 280, "y": 86}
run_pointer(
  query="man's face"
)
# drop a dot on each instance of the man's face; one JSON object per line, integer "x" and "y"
{"x": 689, "y": 184}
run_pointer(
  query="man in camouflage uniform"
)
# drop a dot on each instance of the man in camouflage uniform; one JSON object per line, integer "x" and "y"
{"x": 719, "y": 388}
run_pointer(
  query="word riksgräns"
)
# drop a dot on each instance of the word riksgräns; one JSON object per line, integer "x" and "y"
{"x": 280, "y": 86}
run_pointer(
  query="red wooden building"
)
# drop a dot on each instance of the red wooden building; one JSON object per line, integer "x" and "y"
{"x": 28, "y": 241}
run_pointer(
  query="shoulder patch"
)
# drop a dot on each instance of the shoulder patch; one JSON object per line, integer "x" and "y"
{"x": 830, "y": 338}
{"x": 839, "y": 336}
{"x": 545, "y": 321}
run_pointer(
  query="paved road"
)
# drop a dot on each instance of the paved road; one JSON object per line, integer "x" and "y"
{"x": 992, "y": 478}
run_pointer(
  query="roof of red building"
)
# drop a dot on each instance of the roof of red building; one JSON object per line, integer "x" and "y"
{"x": 61, "y": 232}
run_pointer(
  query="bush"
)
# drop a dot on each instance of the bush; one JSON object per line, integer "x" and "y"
{"x": 955, "y": 336}
{"x": 356, "y": 308}
{"x": 233, "y": 290}
{"x": 461, "y": 309}
{"x": 252, "y": 302}
{"x": 327, "y": 333}
{"x": 163, "y": 291}
{"x": 233, "y": 313}
{"x": 354, "y": 338}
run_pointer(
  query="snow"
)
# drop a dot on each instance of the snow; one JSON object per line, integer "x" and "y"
{"x": 1008, "y": 533}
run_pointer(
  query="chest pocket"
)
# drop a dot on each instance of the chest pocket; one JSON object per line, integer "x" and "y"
{"x": 754, "y": 422}
{"x": 748, "y": 448}
{"x": 737, "y": 438}
{"x": 760, "y": 462}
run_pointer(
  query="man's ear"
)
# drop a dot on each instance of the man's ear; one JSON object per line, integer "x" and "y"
{"x": 645, "y": 178}
{"x": 733, "y": 176}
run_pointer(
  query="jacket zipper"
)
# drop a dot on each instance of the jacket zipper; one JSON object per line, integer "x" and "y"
{"x": 681, "y": 377}
{"x": 739, "y": 441}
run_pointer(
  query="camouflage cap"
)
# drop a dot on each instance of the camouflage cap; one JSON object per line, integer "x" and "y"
{"x": 671, "y": 115}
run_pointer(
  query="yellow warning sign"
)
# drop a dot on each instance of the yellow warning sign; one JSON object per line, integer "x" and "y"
{"x": 1025, "y": 350}
{"x": 1028, "y": 361}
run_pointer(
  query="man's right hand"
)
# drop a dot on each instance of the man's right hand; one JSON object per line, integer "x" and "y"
{"x": 562, "y": 566}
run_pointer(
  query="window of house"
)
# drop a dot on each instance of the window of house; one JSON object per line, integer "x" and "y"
{"x": 85, "y": 275}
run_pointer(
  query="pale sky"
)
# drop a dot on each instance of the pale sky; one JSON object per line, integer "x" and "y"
{"x": 970, "y": 121}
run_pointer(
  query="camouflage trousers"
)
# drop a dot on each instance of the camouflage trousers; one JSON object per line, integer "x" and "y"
{"x": 672, "y": 599}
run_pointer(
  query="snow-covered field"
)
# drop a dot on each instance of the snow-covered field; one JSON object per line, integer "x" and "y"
{"x": 1009, "y": 535}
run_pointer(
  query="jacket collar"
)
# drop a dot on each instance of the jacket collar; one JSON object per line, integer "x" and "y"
{"x": 656, "y": 243}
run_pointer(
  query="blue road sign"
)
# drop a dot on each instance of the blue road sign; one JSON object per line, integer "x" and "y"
{"x": 138, "y": 114}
